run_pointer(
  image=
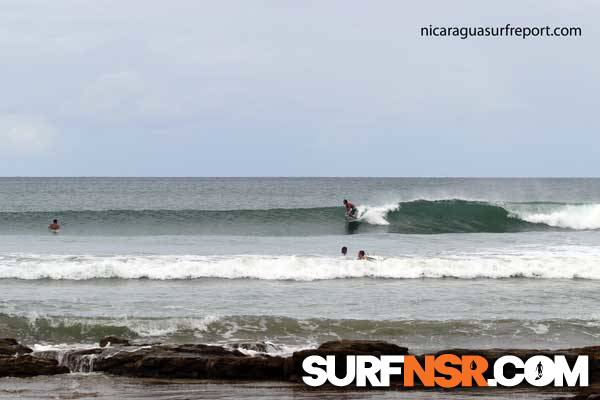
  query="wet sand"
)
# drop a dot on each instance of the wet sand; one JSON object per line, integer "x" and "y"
{"x": 100, "y": 386}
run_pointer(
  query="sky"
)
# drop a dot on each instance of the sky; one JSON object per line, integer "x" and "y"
{"x": 296, "y": 88}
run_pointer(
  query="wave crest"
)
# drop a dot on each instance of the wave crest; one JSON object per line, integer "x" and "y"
{"x": 547, "y": 265}
{"x": 283, "y": 335}
{"x": 412, "y": 217}
{"x": 580, "y": 216}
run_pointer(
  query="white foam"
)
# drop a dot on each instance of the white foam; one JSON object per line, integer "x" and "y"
{"x": 143, "y": 327}
{"x": 571, "y": 216}
{"x": 583, "y": 216}
{"x": 376, "y": 215}
{"x": 550, "y": 264}
{"x": 164, "y": 327}
{"x": 61, "y": 347}
{"x": 537, "y": 328}
{"x": 273, "y": 349}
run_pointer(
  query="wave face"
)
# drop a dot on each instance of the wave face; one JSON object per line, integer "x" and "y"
{"x": 286, "y": 334}
{"x": 413, "y": 217}
{"x": 544, "y": 265}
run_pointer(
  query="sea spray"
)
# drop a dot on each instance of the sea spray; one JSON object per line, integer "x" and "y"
{"x": 580, "y": 216}
{"x": 376, "y": 215}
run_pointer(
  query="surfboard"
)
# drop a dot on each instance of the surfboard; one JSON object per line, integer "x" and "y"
{"x": 350, "y": 218}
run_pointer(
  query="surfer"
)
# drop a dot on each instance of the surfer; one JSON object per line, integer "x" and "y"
{"x": 351, "y": 210}
{"x": 344, "y": 251}
{"x": 54, "y": 226}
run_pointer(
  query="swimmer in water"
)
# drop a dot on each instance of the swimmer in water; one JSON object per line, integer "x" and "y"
{"x": 364, "y": 257}
{"x": 54, "y": 226}
{"x": 344, "y": 251}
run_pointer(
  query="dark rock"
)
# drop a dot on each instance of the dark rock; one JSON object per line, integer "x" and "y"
{"x": 199, "y": 349}
{"x": 251, "y": 368}
{"x": 26, "y": 365}
{"x": 113, "y": 340}
{"x": 11, "y": 347}
{"x": 373, "y": 347}
{"x": 188, "y": 361}
{"x": 15, "y": 360}
{"x": 197, "y": 361}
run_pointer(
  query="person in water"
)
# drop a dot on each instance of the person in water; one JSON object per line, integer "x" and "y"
{"x": 362, "y": 255}
{"x": 54, "y": 226}
{"x": 344, "y": 251}
{"x": 351, "y": 210}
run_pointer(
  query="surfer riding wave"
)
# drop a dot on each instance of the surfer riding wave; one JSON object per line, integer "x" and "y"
{"x": 351, "y": 210}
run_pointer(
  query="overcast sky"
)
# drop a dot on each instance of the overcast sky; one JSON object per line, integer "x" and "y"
{"x": 299, "y": 88}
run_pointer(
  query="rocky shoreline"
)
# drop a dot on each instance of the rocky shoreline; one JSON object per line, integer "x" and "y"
{"x": 118, "y": 356}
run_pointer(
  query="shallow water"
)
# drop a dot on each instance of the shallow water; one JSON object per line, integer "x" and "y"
{"x": 423, "y": 314}
{"x": 457, "y": 263}
{"x": 97, "y": 386}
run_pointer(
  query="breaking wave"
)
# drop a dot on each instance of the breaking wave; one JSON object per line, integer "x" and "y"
{"x": 579, "y": 216}
{"x": 531, "y": 264}
{"x": 412, "y": 217}
{"x": 283, "y": 335}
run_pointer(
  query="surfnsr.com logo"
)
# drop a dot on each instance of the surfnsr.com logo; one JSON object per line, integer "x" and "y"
{"x": 445, "y": 371}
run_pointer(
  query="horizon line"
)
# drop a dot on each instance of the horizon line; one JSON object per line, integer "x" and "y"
{"x": 292, "y": 177}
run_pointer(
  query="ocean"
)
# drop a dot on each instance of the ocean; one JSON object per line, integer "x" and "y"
{"x": 457, "y": 262}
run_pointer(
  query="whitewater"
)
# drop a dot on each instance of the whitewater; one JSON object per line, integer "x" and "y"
{"x": 568, "y": 216}
{"x": 403, "y": 217}
{"x": 455, "y": 262}
{"x": 581, "y": 264}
